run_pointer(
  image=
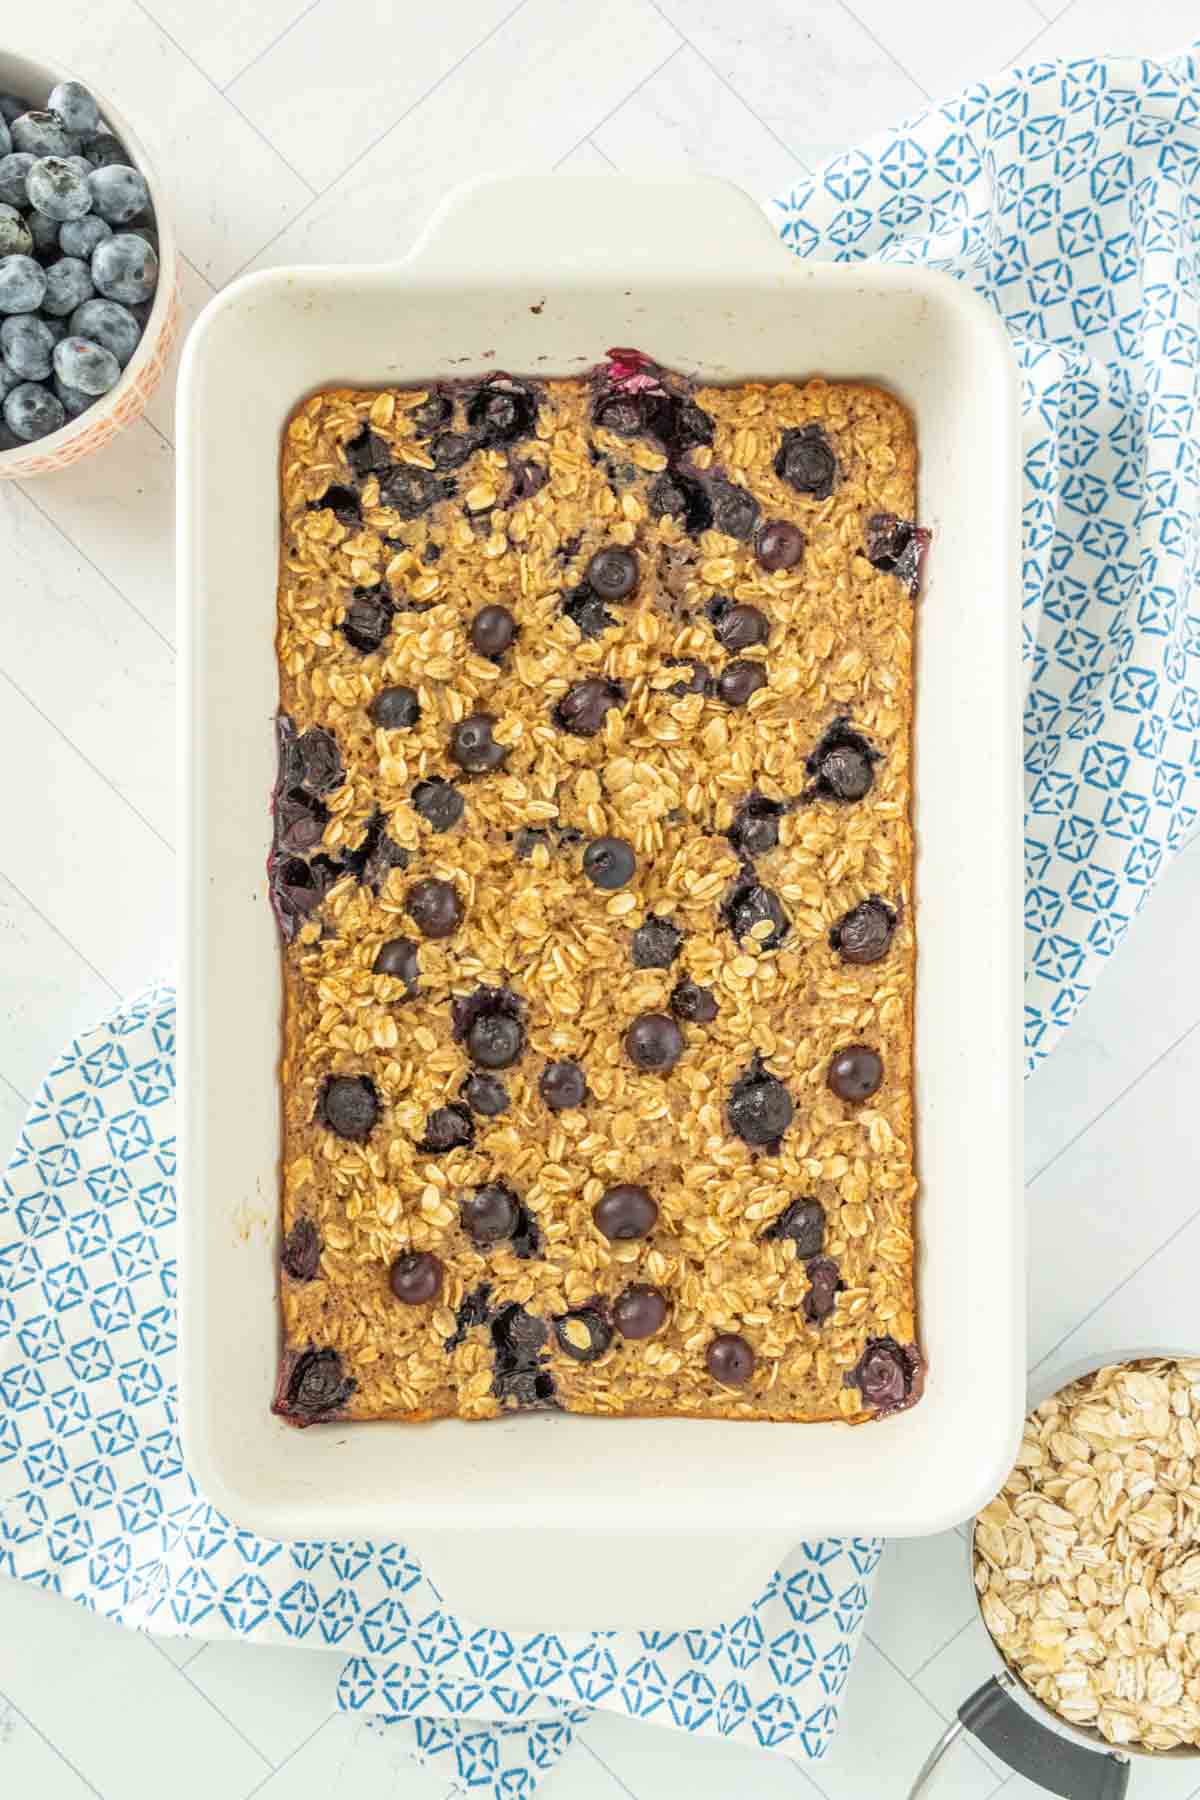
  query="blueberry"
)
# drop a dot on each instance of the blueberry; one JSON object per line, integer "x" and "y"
{"x": 639, "y": 1312}
{"x": 395, "y": 708}
{"x": 802, "y": 1222}
{"x": 14, "y": 175}
{"x": 15, "y": 237}
{"x": 438, "y": 802}
{"x": 583, "y": 1334}
{"x": 729, "y": 1359}
{"x": 749, "y": 904}
{"x": 842, "y": 763}
{"x": 473, "y": 747}
{"x": 79, "y": 237}
{"x": 398, "y": 958}
{"x": 73, "y": 401}
{"x": 11, "y": 107}
{"x": 432, "y": 412}
{"x": 80, "y": 164}
{"x": 654, "y": 1043}
{"x": 489, "y": 1214}
{"x": 124, "y": 268}
{"x": 582, "y": 708}
{"x": 563, "y": 1085}
{"x": 485, "y": 1095}
{"x": 416, "y": 1278}
{"x": 855, "y": 1073}
{"x": 502, "y": 410}
{"x": 86, "y": 365}
{"x": 624, "y": 1212}
{"x": 32, "y": 411}
{"x": 102, "y": 150}
{"x": 779, "y": 545}
{"x": 68, "y": 285}
{"x": 585, "y": 611}
{"x": 760, "y": 1107}
{"x": 735, "y": 510}
{"x": 348, "y": 1106}
{"x": 43, "y": 134}
{"x": 447, "y": 1128}
{"x": 739, "y": 680}
{"x": 887, "y": 1375}
{"x": 805, "y": 460}
{"x": 8, "y": 381}
{"x": 118, "y": 193}
{"x": 434, "y": 907}
{"x": 108, "y": 323}
{"x": 678, "y": 496}
{"x": 656, "y": 944}
{"x": 22, "y": 284}
{"x": 368, "y": 618}
{"x": 301, "y": 1256}
{"x": 612, "y": 573}
{"x": 450, "y": 449}
{"x": 609, "y": 862}
{"x": 44, "y": 232}
{"x": 492, "y": 631}
{"x": 75, "y": 107}
{"x": 864, "y": 934}
{"x": 5, "y": 138}
{"x": 825, "y": 1283}
{"x": 57, "y": 329}
{"x": 368, "y": 454}
{"x": 57, "y": 190}
{"x": 315, "y": 1388}
{"x": 694, "y": 1004}
{"x": 739, "y": 628}
{"x": 755, "y": 828}
{"x": 896, "y": 546}
{"x": 408, "y": 490}
{"x": 26, "y": 346}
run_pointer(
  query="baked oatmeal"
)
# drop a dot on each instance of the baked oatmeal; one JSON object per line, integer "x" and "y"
{"x": 592, "y": 860}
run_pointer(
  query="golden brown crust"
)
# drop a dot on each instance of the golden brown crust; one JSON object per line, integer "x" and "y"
{"x": 666, "y": 774}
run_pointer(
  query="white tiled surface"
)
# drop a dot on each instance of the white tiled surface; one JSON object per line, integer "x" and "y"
{"x": 327, "y": 130}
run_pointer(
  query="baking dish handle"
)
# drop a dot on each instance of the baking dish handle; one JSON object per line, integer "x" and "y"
{"x": 583, "y": 225}
{"x": 1029, "y": 1748}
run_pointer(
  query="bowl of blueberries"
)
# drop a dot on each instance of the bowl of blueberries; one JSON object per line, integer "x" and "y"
{"x": 88, "y": 301}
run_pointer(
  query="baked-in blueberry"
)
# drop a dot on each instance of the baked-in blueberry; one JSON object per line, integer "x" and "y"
{"x": 755, "y": 828}
{"x": 488, "y": 1022}
{"x": 26, "y": 346}
{"x": 697, "y": 681}
{"x": 32, "y": 411}
{"x": 301, "y": 1256}
{"x": 654, "y": 1043}
{"x": 609, "y": 862}
{"x": 656, "y": 943}
{"x": 612, "y": 573}
{"x": 502, "y": 410}
{"x": 489, "y": 1214}
{"x": 886, "y": 1374}
{"x": 316, "y": 1387}
{"x": 370, "y": 613}
{"x": 297, "y": 889}
{"x": 86, "y": 366}
{"x": 779, "y": 545}
{"x": 398, "y": 958}
{"x": 432, "y": 412}
{"x": 805, "y": 460}
{"x": 747, "y": 904}
{"x": 438, "y": 802}
{"x": 529, "y": 478}
{"x": 678, "y": 496}
{"x": 582, "y": 708}
{"x": 109, "y": 323}
{"x": 694, "y": 1004}
{"x": 625, "y": 1211}
{"x": 447, "y": 1128}
{"x": 15, "y": 237}
{"x": 372, "y": 860}
{"x": 410, "y": 491}
{"x": 855, "y": 1073}
{"x": 842, "y": 765}
{"x": 485, "y": 1095}
{"x": 563, "y": 1085}
{"x": 639, "y": 1312}
{"x": 492, "y": 631}
{"x": 300, "y": 821}
{"x": 450, "y": 449}
{"x": 416, "y": 1278}
{"x": 729, "y": 1359}
{"x": 864, "y": 934}
{"x": 738, "y": 628}
{"x": 802, "y": 1222}
{"x": 58, "y": 191}
{"x": 583, "y": 1333}
{"x": 896, "y": 546}
{"x": 346, "y": 508}
{"x": 42, "y": 133}
{"x": 824, "y": 1282}
{"x": 587, "y": 611}
{"x": 367, "y": 453}
{"x": 75, "y": 106}
{"x": 349, "y": 1106}
{"x": 395, "y": 708}
{"x": 738, "y": 681}
{"x": 735, "y": 510}
{"x": 434, "y": 907}
{"x": 22, "y": 284}
{"x": 473, "y": 746}
{"x": 125, "y": 268}
{"x": 760, "y": 1107}
{"x": 519, "y": 1378}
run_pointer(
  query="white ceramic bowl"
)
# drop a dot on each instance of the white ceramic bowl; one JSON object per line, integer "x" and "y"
{"x": 142, "y": 374}
{"x": 541, "y": 1520}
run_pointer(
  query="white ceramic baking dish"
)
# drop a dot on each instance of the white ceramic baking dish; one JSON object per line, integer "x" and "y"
{"x": 554, "y": 1520}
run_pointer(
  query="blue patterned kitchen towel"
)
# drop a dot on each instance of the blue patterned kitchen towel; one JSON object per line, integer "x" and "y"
{"x": 96, "y": 1504}
{"x": 1068, "y": 195}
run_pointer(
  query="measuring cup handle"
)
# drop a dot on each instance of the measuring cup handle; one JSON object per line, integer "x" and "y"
{"x": 1029, "y": 1748}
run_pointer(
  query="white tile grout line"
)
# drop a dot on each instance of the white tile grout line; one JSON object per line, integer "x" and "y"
{"x": 181, "y": 1669}
{"x": 388, "y": 129}
{"x": 275, "y": 41}
{"x": 599, "y": 151}
{"x": 72, "y": 745}
{"x": 613, "y": 110}
{"x": 95, "y": 566}
{"x": 15, "y": 1091}
{"x": 274, "y": 1769}
{"x": 727, "y": 84}
{"x": 49, "y": 1743}
{"x": 228, "y": 98}
{"x": 49, "y": 923}
{"x": 581, "y": 1743}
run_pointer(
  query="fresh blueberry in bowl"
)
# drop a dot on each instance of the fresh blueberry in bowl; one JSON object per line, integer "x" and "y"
{"x": 68, "y": 286}
{"x": 22, "y": 284}
{"x": 15, "y": 236}
{"x": 79, "y": 237}
{"x": 42, "y": 133}
{"x": 86, "y": 366}
{"x": 32, "y": 411}
{"x": 117, "y": 193}
{"x": 26, "y": 346}
{"x": 124, "y": 268}
{"x": 58, "y": 190}
{"x": 14, "y": 178}
{"x": 75, "y": 106}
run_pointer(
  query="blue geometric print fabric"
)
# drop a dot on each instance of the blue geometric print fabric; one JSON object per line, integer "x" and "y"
{"x": 1068, "y": 195}
{"x": 96, "y": 1504}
